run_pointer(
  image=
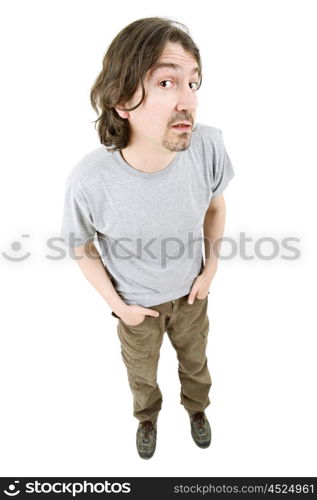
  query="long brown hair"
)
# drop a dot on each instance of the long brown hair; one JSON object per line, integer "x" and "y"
{"x": 134, "y": 50}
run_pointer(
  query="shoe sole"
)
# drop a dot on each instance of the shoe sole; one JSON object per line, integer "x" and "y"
{"x": 201, "y": 445}
{"x": 146, "y": 457}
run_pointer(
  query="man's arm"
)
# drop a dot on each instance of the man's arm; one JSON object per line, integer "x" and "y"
{"x": 214, "y": 224}
{"x": 89, "y": 261}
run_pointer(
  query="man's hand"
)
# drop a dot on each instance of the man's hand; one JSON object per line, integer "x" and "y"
{"x": 134, "y": 315}
{"x": 202, "y": 284}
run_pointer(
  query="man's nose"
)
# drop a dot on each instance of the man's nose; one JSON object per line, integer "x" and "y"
{"x": 187, "y": 99}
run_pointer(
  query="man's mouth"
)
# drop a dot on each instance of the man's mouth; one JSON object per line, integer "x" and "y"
{"x": 182, "y": 127}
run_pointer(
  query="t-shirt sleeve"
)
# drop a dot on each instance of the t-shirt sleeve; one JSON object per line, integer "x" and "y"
{"x": 77, "y": 222}
{"x": 222, "y": 167}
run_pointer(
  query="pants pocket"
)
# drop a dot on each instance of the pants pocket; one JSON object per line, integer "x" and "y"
{"x": 202, "y": 300}
{"x": 133, "y": 326}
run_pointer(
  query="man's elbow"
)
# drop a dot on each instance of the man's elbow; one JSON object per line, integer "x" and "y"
{"x": 87, "y": 250}
{"x": 217, "y": 204}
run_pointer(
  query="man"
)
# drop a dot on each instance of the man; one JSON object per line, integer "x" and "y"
{"x": 147, "y": 196}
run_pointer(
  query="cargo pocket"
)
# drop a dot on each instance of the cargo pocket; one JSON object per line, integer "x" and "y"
{"x": 136, "y": 356}
{"x": 205, "y": 332}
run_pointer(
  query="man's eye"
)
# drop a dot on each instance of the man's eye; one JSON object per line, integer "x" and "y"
{"x": 195, "y": 83}
{"x": 163, "y": 81}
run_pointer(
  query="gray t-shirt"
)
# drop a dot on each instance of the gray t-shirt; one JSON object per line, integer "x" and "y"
{"x": 149, "y": 226}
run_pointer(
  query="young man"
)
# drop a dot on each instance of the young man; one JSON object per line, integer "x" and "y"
{"x": 148, "y": 195}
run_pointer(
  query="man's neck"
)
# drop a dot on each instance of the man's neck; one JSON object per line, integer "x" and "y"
{"x": 147, "y": 160}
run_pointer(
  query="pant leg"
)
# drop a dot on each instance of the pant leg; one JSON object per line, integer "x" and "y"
{"x": 188, "y": 330}
{"x": 140, "y": 350}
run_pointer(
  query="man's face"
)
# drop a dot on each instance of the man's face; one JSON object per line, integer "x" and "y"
{"x": 170, "y": 97}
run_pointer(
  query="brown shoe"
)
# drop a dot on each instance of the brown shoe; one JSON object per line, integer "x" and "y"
{"x": 146, "y": 439}
{"x": 200, "y": 429}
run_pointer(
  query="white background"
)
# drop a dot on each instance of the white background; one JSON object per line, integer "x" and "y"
{"x": 66, "y": 403}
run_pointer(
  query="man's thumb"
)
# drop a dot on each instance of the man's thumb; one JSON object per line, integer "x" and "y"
{"x": 151, "y": 312}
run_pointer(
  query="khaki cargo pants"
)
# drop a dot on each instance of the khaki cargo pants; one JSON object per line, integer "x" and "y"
{"x": 187, "y": 326}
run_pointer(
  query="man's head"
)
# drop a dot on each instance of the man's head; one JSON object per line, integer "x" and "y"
{"x": 138, "y": 96}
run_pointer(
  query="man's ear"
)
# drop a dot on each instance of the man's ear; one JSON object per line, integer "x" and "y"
{"x": 121, "y": 112}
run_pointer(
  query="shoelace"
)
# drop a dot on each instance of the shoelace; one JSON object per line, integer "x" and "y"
{"x": 147, "y": 428}
{"x": 199, "y": 420}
